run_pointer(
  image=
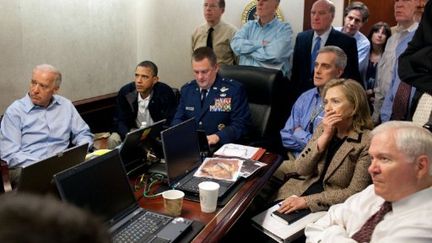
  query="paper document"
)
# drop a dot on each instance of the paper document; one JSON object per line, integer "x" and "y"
{"x": 220, "y": 168}
{"x": 233, "y": 150}
{"x": 249, "y": 167}
{"x": 283, "y": 232}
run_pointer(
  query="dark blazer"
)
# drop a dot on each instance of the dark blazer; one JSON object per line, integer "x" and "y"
{"x": 225, "y": 111}
{"x": 415, "y": 64}
{"x": 346, "y": 175}
{"x": 302, "y": 74}
{"x": 163, "y": 104}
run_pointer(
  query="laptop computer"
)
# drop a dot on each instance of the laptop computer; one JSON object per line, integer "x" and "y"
{"x": 101, "y": 186}
{"x": 38, "y": 177}
{"x": 182, "y": 158}
{"x": 141, "y": 145}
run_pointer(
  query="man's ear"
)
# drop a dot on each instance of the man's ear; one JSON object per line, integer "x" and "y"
{"x": 340, "y": 72}
{"x": 422, "y": 166}
{"x": 155, "y": 79}
{"x": 216, "y": 66}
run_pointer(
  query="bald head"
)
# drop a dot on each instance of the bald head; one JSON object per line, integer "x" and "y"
{"x": 322, "y": 15}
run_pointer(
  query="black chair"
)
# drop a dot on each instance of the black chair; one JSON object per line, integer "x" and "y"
{"x": 270, "y": 100}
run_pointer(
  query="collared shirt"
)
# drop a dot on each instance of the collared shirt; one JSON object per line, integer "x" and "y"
{"x": 363, "y": 48}
{"x": 143, "y": 114}
{"x": 222, "y": 35}
{"x": 387, "y": 107}
{"x": 306, "y": 114}
{"x": 386, "y": 66}
{"x": 323, "y": 37}
{"x": 409, "y": 220}
{"x": 265, "y": 46}
{"x": 30, "y": 133}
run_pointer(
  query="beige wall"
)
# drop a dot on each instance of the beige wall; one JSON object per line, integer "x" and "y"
{"x": 97, "y": 43}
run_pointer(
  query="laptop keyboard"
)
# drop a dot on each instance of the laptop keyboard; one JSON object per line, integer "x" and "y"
{"x": 192, "y": 184}
{"x": 144, "y": 226}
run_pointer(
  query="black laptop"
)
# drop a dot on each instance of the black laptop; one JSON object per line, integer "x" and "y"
{"x": 38, "y": 177}
{"x": 101, "y": 186}
{"x": 141, "y": 145}
{"x": 182, "y": 158}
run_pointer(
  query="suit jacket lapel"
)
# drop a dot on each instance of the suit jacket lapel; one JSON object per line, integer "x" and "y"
{"x": 309, "y": 44}
{"x": 346, "y": 147}
{"x": 330, "y": 39}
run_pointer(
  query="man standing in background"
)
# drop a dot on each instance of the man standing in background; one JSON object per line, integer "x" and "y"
{"x": 356, "y": 14}
{"x": 310, "y": 41}
{"x": 266, "y": 41}
{"x": 215, "y": 33}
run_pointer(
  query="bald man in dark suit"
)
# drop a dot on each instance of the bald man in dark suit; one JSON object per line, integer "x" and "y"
{"x": 322, "y": 15}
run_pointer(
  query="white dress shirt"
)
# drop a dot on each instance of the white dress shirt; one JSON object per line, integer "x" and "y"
{"x": 410, "y": 221}
{"x": 143, "y": 111}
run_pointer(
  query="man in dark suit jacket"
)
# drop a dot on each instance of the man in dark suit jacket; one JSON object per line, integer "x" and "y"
{"x": 415, "y": 64}
{"x": 219, "y": 105}
{"x": 146, "y": 100}
{"x": 322, "y": 14}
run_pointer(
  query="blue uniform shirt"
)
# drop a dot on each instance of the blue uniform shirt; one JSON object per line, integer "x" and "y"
{"x": 225, "y": 111}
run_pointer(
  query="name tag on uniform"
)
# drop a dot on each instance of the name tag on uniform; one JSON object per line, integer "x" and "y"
{"x": 190, "y": 108}
{"x": 221, "y": 105}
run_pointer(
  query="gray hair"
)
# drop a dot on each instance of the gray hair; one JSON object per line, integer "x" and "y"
{"x": 410, "y": 139}
{"x": 341, "y": 57}
{"x": 51, "y": 69}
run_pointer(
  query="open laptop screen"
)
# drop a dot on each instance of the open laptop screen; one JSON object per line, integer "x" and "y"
{"x": 38, "y": 177}
{"x": 181, "y": 149}
{"x": 140, "y": 141}
{"x": 99, "y": 185}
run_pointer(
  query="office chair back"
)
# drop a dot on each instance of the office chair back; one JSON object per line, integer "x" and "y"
{"x": 267, "y": 96}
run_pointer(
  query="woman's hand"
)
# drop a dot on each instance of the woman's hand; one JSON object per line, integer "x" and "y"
{"x": 292, "y": 204}
{"x": 329, "y": 122}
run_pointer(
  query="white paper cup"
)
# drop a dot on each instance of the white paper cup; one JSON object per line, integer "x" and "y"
{"x": 173, "y": 202}
{"x": 208, "y": 192}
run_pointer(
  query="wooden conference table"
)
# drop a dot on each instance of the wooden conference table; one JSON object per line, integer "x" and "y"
{"x": 219, "y": 223}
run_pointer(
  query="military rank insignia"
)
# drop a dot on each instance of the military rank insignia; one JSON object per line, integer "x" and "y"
{"x": 221, "y": 105}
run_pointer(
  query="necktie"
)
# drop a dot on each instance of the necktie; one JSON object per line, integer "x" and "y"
{"x": 210, "y": 37}
{"x": 315, "y": 52}
{"x": 203, "y": 96}
{"x": 365, "y": 232}
{"x": 401, "y": 102}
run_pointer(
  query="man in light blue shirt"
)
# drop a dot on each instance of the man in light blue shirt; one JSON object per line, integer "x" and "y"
{"x": 265, "y": 42}
{"x": 308, "y": 110}
{"x": 355, "y": 15}
{"x": 41, "y": 123}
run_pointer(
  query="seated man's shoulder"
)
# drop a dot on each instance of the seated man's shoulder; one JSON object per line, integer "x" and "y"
{"x": 309, "y": 93}
{"x": 127, "y": 88}
{"x": 162, "y": 85}
{"x": 62, "y": 99}
{"x": 189, "y": 85}
{"x": 229, "y": 82}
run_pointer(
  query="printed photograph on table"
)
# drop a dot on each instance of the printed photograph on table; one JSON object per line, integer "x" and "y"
{"x": 221, "y": 169}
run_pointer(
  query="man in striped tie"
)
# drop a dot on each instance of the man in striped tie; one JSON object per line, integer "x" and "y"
{"x": 398, "y": 206}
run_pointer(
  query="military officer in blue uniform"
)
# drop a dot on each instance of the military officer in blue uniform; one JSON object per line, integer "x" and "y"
{"x": 219, "y": 105}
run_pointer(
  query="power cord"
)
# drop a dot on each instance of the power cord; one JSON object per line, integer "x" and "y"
{"x": 146, "y": 182}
